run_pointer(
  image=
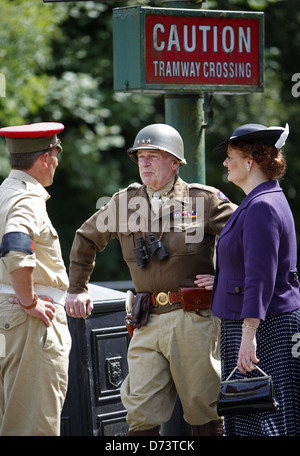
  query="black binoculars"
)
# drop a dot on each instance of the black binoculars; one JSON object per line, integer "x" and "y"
{"x": 147, "y": 248}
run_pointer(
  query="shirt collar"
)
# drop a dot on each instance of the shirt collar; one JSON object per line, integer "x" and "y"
{"x": 164, "y": 190}
{"x": 29, "y": 181}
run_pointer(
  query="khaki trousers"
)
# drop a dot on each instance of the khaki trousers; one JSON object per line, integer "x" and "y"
{"x": 33, "y": 371}
{"x": 176, "y": 352}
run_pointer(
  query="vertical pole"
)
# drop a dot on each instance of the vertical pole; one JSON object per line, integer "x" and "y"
{"x": 185, "y": 113}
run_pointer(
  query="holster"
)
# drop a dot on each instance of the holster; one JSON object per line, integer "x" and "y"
{"x": 129, "y": 325}
{"x": 140, "y": 309}
{"x": 195, "y": 299}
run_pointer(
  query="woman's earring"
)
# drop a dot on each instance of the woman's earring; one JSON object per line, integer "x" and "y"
{"x": 248, "y": 166}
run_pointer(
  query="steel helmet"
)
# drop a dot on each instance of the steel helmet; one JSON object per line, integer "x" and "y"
{"x": 159, "y": 137}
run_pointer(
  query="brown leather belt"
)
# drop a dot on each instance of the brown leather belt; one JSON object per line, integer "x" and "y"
{"x": 187, "y": 298}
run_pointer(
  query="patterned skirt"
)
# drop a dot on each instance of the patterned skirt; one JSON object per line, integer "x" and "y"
{"x": 278, "y": 351}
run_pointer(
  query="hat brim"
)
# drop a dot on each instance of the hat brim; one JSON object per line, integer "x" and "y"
{"x": 268, "y": 136}
{"x": 35, "y": 137}
{"x": 37, "y": 130}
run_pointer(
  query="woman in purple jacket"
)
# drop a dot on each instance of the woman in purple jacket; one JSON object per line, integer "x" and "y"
{"x": 256, "y": 288}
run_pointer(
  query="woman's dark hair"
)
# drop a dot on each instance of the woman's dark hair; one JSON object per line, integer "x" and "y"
{"x": 270, "y": 160}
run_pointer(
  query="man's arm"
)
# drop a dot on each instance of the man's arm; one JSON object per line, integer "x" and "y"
{"x": 220, "y": 211}
{"x": 82, "y": 259}
{"x": 88, "y": 240}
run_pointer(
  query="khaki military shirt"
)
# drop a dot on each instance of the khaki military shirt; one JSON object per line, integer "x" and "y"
{"x": 191, "y": 217}
{"x": 23, "y": 209}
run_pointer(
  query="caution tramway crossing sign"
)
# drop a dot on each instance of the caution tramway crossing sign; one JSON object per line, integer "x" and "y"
{"x": 170, "y": 50}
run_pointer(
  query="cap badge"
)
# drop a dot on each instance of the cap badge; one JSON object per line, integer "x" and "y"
{"x": 144, "y": 141}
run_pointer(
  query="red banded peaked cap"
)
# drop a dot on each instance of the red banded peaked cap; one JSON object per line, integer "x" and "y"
{"x": 31, "y": 138}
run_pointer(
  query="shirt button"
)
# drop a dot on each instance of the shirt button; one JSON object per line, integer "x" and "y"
{"x": 237, "y": 290}
{"x": 6, "y": 326}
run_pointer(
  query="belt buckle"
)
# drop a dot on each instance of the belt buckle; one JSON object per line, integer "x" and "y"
{"x": 163, "y": 298}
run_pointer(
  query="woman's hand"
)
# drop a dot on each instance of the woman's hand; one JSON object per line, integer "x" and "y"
{"x": 204, "y": 281}
{"x": 247, "y": 353}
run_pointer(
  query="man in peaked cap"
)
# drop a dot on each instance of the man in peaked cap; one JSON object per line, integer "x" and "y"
{"x": 33, "y": 280}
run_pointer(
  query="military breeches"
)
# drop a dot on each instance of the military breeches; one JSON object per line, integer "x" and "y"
{"x": 175, "y": 353}
{"x": 34, "y": 371}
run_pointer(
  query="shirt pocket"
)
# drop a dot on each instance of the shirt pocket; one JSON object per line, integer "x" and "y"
{"x": 11, "y": 318}
{"x": 47, "y": 246}
{"x": 184, "y": 240}
{"x": 128, "y": 241}
{"x": 235, "y": 294}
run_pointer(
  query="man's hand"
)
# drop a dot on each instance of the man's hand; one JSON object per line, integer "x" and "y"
{"x": 22, "y": 282}
{"x": 79, "y": 305}
{"x": 44, "y": 309}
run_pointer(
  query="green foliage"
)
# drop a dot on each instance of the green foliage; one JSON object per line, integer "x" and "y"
{"x": 26, "y": 31}
{"x": 100, "y": 124}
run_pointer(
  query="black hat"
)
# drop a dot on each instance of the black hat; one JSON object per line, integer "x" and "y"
{"x": 256, "y": 133}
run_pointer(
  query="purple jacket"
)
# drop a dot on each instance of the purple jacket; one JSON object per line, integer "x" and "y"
{"x": 256, "y": 273}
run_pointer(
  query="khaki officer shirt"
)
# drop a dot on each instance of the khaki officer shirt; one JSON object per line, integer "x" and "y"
{"x": 188, "y": 223}
{"x": 23, "y": 209}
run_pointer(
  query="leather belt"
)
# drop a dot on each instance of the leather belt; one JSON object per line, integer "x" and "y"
{"x": 187, "y": 298}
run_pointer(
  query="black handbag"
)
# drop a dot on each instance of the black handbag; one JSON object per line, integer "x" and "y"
{"x": 247, "y": 395}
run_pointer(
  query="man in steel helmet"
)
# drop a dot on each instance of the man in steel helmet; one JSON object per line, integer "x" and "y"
{"x": 167, "y": 230}
{"x": 159, "y": 137}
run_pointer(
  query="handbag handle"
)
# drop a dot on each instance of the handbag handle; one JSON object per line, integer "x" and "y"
{"x": 258, "y": 368}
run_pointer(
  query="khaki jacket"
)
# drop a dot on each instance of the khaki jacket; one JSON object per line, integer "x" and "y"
{"x": 188, "y": 223}
{"x": 23, "y": 209}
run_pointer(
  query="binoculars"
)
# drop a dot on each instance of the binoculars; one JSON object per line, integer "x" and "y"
{"x": 147, "y": 248}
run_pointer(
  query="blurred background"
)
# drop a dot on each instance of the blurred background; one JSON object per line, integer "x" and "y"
{"x": 57, "y": 61}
